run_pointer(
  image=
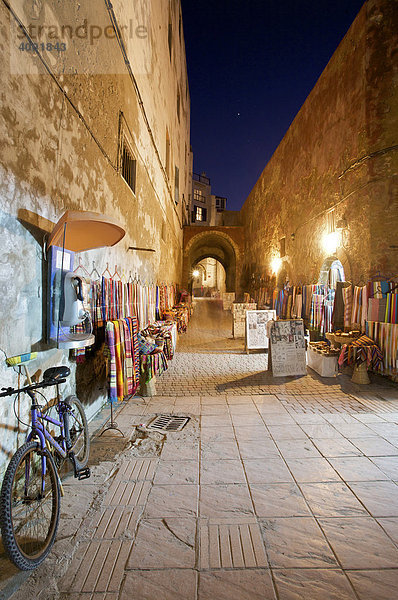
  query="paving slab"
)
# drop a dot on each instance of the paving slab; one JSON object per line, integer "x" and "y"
{"x": 277, "y": 488}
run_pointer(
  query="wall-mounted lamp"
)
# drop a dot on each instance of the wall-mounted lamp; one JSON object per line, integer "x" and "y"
{"x": 276, "y": 264}
{"x": 195, "y": 273}
{"x": 331, "y": 241}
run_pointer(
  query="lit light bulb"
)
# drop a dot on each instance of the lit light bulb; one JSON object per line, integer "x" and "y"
{"x": 195, "y": 273}
{"x": 276, "y": 264}
{"x": 330, "y": 242}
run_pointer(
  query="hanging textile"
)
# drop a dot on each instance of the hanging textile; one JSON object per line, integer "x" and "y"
{"x": 385, "y": 336}
{"x": 153, "y": 365}
{"x": 122, "y": 343}
{"x": 128, "y": 380}
{"x": 364, "y": 314}
{"x": 357, "y": 306}
{"x": 391, "y": 313}
{"x": 361, "y": 350}
{"x": 347, "y": 299}
{"x": 112, "y": 377}
{"x": 316, "y": 320}
{"x": 98, "y": 320}
{"x": 339, "y": 317}
{"x": 307, "y": 299}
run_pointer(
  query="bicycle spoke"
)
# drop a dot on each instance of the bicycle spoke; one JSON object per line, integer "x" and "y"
{"x": 32, "y": 519}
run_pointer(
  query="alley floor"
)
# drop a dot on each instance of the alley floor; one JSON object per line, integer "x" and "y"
{"x": 277, "y": 488}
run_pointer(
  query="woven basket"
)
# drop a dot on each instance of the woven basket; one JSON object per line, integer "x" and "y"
{"x": 360, "y": 374}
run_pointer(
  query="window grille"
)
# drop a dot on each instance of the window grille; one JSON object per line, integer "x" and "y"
{"x": 177, "y": 185}
{"x": 282, "y": 247}
{"x": 129, "y": 167}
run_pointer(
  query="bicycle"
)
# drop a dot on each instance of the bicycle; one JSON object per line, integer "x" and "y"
{"x": 31, "y": 489}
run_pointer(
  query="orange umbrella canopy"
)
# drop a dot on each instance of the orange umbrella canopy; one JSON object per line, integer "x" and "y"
{"x": 81, "y": 230}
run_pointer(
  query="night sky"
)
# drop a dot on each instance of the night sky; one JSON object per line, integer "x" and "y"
{"x": 251, "y": 65}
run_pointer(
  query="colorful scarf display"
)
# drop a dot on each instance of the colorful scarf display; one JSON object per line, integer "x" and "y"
{"x": 391, "y": 315}
{"x": 372, "y": 308}
{"x": 385, "y": 336}
{"x": 361, "y": 350}
{"x": 122, "y": 342}
{"x": 359, "y": 304}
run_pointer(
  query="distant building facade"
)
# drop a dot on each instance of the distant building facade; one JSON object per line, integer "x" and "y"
{"x": 206, "y": 208}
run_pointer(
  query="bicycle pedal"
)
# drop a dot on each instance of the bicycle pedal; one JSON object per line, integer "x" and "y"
{"x": 83, "y": 473}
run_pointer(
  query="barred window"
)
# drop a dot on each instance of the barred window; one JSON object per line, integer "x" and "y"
{"x": 282, "y": 247}
{"x": 176, "y": 185}
{"x": 129, "y": 167}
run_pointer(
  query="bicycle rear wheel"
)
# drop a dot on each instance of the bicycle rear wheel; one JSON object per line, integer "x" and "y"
{"x": 28, "y": 518}
{"x": 78, "y": 430}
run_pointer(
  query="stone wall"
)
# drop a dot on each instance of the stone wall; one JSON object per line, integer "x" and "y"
{"x": 62, "y": 117}
{"x": 340, "y": 153}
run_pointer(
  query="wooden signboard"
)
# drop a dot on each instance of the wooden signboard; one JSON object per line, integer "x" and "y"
{"x": 288, "y": 348}
{"x": 256, "y": 328}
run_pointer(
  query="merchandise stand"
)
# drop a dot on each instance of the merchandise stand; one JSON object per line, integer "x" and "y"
{"x": 112, "y": 425}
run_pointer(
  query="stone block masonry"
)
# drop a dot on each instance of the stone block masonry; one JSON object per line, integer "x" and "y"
{"x": 67, "y": 115}
{"x": 340, "y": 154}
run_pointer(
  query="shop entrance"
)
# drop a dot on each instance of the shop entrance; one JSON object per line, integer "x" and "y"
{"x": 331, "y": 272}
{"x": 208, "y": 278}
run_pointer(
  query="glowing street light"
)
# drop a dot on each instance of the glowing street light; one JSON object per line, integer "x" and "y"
{"x": 331, "y": 242}
{"x": 276, "y": 264}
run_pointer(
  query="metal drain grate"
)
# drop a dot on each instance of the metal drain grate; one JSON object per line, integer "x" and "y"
{"x": 168, "y": 423}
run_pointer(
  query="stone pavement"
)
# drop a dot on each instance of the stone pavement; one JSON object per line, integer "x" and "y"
{"x": 286, "y": 492}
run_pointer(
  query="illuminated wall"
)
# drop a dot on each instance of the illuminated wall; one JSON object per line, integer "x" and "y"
{"x": 66, "y": 110}
{"x": 331, "y": 188}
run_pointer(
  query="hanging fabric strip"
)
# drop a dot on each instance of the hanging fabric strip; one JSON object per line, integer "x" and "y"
{"x": 347, "y": 298}
{"x": 110, "y": 339}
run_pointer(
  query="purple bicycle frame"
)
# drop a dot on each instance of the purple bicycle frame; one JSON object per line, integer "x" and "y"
{"x": 41, "y": 432}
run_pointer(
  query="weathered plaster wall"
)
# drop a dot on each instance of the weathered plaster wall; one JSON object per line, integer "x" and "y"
{"x": 340, "y": 152}
{"x": 59, "y": 151}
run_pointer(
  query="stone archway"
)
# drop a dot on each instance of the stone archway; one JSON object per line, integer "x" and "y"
{"x": 324, "y": 264}
{"x": 213, "y": 243}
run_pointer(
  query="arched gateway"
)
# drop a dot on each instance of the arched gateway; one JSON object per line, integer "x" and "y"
{"x": 224, "y": 244}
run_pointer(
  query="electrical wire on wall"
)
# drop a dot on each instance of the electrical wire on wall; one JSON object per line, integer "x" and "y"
{"x": 138, "y": 93}
{"x": 66, "y": 97}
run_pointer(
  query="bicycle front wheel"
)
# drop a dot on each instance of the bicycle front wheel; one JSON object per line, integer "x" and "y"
{"x": 29, "y": 507}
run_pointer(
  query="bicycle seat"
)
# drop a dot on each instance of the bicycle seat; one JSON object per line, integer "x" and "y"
{"x": 54, "y": 373}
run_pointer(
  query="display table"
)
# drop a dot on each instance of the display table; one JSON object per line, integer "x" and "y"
{"x": 338, "y": 339}
{"x": 325, "y": 366}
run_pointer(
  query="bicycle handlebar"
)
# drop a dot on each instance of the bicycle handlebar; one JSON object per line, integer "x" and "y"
{"x": 35, "y": 386}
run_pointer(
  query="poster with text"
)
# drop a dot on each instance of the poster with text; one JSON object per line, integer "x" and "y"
{"x": 256, "y": 328}
{"x": 288, "y": 348}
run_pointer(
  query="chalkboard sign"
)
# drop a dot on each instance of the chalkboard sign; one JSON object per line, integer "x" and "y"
{"x": 288, "y": 348}
{"x": 256, "y": 328}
